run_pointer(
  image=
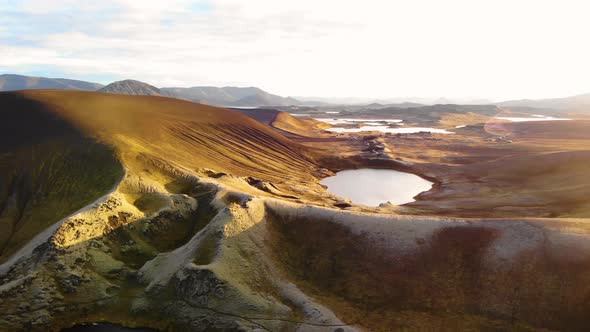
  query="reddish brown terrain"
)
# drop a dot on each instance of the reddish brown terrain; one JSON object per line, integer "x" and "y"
{"x": 162, "y": 213}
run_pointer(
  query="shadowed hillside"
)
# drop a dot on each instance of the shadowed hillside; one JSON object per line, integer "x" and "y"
{"x": 48, "y": 169}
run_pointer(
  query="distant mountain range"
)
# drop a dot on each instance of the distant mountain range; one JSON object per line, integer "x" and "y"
{"x": 9, "y": 82}
{"x": 217, "y": 96}
{"x": 391, "y": 101}
{"x": 256, "y": 97}
{"x": 230, "y": 96}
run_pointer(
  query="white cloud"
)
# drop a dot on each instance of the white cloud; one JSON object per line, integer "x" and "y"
{"x": 499, "y": 49}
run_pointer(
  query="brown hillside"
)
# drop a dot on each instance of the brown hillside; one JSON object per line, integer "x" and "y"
{"x": 61, "y": 150}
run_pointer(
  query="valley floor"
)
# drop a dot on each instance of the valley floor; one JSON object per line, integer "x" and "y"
{"x": 484, "y": 170}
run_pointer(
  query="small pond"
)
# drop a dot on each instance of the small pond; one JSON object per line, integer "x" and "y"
{"x": 372, "y": 187}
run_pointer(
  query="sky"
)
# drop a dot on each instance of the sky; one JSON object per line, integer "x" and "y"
{"x": 497, "y": 49}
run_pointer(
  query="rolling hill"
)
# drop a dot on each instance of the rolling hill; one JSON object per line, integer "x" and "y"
{"x": 573, "y": 103}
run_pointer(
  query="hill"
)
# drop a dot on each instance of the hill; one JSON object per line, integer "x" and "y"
{"x": 429, "y": 115}
{"x": 230, "y": 96}
{"x": 577, "y": 102}
{"x": 265, "y": 99}
{"x": 71, "y": 133}
{"x": 131, "y": 87}
{"x": 285, "y": 122}
{"x": 11, "y": 82}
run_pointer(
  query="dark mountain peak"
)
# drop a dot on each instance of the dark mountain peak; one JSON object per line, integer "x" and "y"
{"x": 131, "y": 87}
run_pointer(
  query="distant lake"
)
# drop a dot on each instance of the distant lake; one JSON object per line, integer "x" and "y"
{"x": 372, "y": 187}
{"x": 337, "y": 121}
{"x": 381, "y": 125}
{"x": 387, "y": 129}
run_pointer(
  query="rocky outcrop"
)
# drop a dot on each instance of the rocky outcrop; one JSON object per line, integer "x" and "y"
{"x": 117, "y": 261}
{"x": 255, "y": 261}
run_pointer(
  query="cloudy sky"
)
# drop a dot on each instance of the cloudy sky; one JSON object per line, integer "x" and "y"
{"x": 497, "y": 49}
